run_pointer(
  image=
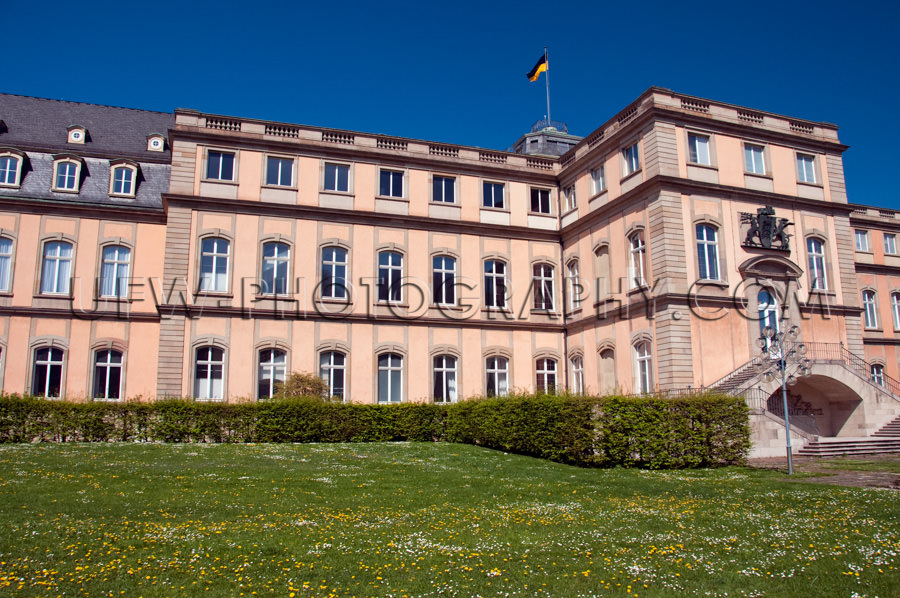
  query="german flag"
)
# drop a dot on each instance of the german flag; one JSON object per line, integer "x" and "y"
{"x": 539, "y": 68}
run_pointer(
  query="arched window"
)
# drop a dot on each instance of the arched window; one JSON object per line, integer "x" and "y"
{"x": 707, "y": 252}
{"x": 576, "y": 366}
{"x": 497, "y": 376}
{"x": 6, "y": 264}
{"x": 274, "y": 270}
{"x": 573, "y": 285}
{"x": 545, "y": 369}
{"x": 878, "y": 374}
{"x": 815, "y": 252}
{"x": 443, "y": 280}
{"x": 46, "y": 378}
{"x": 209, "y": 373}
{"x": 637, "y": 270}
{"x": 870, "y": 309}
{"x": 215, "y": 254}
{"x": 56, "y": 268}
{"x": 895, "y": 309}
{"x": 543, "y": 287}
{"x": 602, "y": 271}
{"x": 107, "y": 374}
{"x": 494, "y": 283}
{"x": 643, "y": 370}
{"x": 390, "y": 275}
{"x": 445, "y": 379}
{"x": 331, "y": 370}
{"x": 271, "y": 371}
{"x": 334, "y": 273}
{"x": 114, "y": 271}
{"x": 607, "y": 371}
{"x": 767, "y": 307}
{"x": 123, "y": 180}
{"x": 390, "y": 378}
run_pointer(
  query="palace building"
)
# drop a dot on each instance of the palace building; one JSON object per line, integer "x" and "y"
{"x": 146, "y": 254}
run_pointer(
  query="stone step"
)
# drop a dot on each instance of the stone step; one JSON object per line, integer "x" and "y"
{"x": 863, "y": 446}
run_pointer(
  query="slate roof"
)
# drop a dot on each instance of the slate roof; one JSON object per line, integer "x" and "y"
{"x": 40, "y": 123}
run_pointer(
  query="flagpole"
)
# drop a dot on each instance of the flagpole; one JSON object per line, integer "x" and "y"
{"x": 547, "y": 62}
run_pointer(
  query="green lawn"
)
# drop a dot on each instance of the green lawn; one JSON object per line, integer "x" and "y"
{"x": 423, "y": 520}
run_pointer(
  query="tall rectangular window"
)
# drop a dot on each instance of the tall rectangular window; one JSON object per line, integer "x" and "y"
{"x": 443, "y": 189}
{"x": 391, "y": 183}
{"x": 331, "y": 370}
{"x": 56, "y": 269}
{"x": 815, "y": 252}
{"x": 123, "y": 181}
{"x": 114, "y": 271}
{"x": 497, "y": 376}
{"x": 643, "y": 373}
{"x": 275, "y": 261}
{"x": 390, "y": 378}
{"x": 334, "y": 273}
{"x": 895, "y": 309}
{"x": 9, "y": 170}
{"x": 219, "y": 165}
{"x": 862, "y": 240}
{"x": 107, "y": 375}
{"x": 279, "y": 171}
{"x": 631, "y": 161}
{"x": 571, "y": 200}
{"x": 806, "y": 168}
{"x": 46, "y": 379}
{"x": 754, "y": 158}
{"x": 577, "y": 369}
{"x": 707, "y": 252}
{"x": 890, "y": 244}
{"x": 445, "y": 379}
{"x": 337, "y": 177}
{"x": 271, "y": 372}
{"x": 637, "y": 275}
{"x": 66, "y": 178}
{"x": 574, "y": 285}
{"x": 390, "y": 275}
{"x": 444, "y": 280}
{"x": 6, "y": 249}
{"x": 543, "y": 287}
{"x": 540, "y": 201}
{"x": 494, "y": 283}
{"x": 598, "y": 179}
{"x": 209, "y": 373}
{"x": 698, "y": 149}
{"x": 546, "y": 375}
{"x": 492, "y": 195}
{"x": 870, "y": 309}
{"x": 214, "y": 256}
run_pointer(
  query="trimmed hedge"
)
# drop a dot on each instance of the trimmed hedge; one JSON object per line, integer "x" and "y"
{"x": 694, "y": 431}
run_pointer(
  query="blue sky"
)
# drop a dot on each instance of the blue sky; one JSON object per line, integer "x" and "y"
{"x": 455, "y": 72}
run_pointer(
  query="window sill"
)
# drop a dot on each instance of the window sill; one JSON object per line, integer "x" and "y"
{"x": 709, "y": 282}
{"x": 550, "y": 313}
{"x": 866, "y": 251}
{"x": 598, "y": 194}
{"x": 281, "y": 187}
{"x": 273, "y": 297}
{"x": 336, "y": 192}
{"x": 218, "y": 182}
{"x": 392, "y": 198}
{"x": 114, "y": 300}
{"x": 758, "y": 175}
{"x": 122, "y": 195}
{"x": 448, "y": 307}
{"x": 825, "y": 292}
{"x": 54, "y": 296}
{"x": 497, "y": 310}
{"x": 706, "y": 166}
{"x": 490, "y": 209}
{"x": 541, "y": 214}
{"x": 215, "y": 294}
{"x": 642, "y": 288}
{"x": 70, "y": 191}
{"x": 630, "y": 175}
{"x": 444, "y": 203}
{"x": 8, "y": 186}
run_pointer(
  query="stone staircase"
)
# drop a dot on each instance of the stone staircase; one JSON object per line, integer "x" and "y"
{"x": 837, "y": 447}
{"x": 889, "y": 430}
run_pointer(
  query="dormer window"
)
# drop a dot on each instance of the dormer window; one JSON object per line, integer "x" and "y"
{"x": 156, "y": 143}
{"x": 11, "y": 167}
{"x": 66, "y": 174}
{"x": 123, "y": 178}
{"x": 77, "y": 134}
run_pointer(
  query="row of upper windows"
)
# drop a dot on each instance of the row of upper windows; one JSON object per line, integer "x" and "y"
{"x": 209, "y": 369}
{"x": 338, "y": 177}
{"x": 863, "y": 244}
{"x": 870, "y": 309}
{"x": 67, "y": 174}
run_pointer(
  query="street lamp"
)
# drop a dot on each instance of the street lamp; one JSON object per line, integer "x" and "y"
{"x": 786, "y": 358}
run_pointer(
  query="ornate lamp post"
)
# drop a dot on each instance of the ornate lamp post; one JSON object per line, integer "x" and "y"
{"x": 786, "y": 358}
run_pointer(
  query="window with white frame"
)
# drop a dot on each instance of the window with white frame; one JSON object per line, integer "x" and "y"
{"x": 390, "y": 276}
{"x": 331, "y": 370}
{"x": 219, "y": 165}
{"x": 66, "y": 175}
{"x": 545, "y": 370}
{"x": 815, "y": 253}
{"x": 870, "y": 309}
{"x": 271, "y": 372}
{"x": 574, "y": 287}
{"x": 598, "y": 179}
{"x": 862, "y": 239}
{"x": 707, "y": 252}
{"x": 890, "y": 244}
{"x": 569, "y": 195}
{"x": 279, "y": 171}
{"x": 540, "y": 200}
{"x": 806, "y": 168}
{"x": 543, "y": 287}
{"x": 337, "y": 177}
{"x": 637, "y": 275}
{"x": 114, "y": 271}
{"x": 46, "y": 376}
{"x": 443, "y": 280}
{"x": 698, "y": 149}
{"x": 878, "y": 374}
{"x": 496, "y": 376}
{"x": 123, "y": 180}
{"x": 390, "y": 183}
{"x": 494, "y": 283}
{"x": 895, "y": 309}
{"x": 576, "y": 368}
{"x": 767, "y": 311}
{"x": 209, "y": 373}
{"x": 214, "y": 257}
{"x": 754, "y": 158}
{"x": 643, "y": 370}
{"x": 390, "y": 378}
{"x": 631, "y": 160}
{"x": 334, "y": 273}
{"x": 445, "y": 379}
{"x": 443, "y": 189}
{"x": 56, "y": 268}
{"x": 492, "y": 195}
{"x": 10, "y": 169}
{"x": 276, "y": 258}
{"x": 6, "y": 264}
{"x": 107, "y": 375}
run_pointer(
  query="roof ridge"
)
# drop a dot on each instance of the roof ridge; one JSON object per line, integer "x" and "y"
{"x": 17, "y": 95}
